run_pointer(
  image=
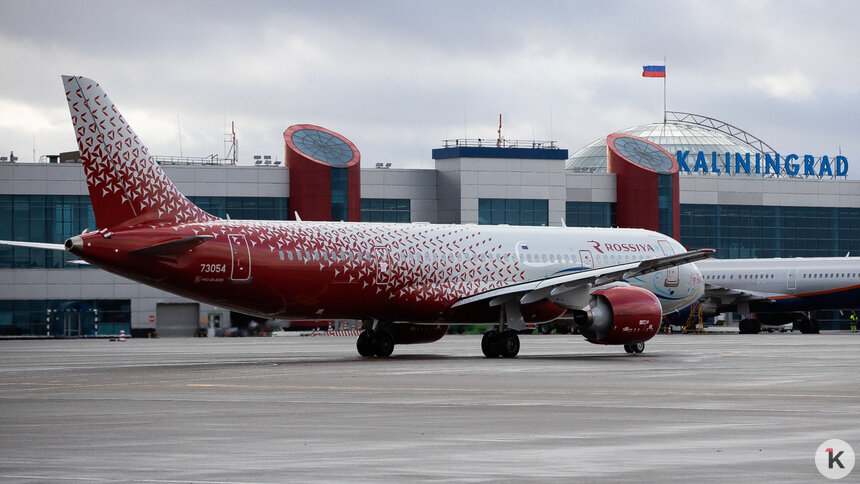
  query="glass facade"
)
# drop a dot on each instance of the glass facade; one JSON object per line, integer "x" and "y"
{"x": 386, "y": 210}
{"x": 64, "y": 318}
{"x": 54, "y": 218}
{"x": 512, "y": 211}
{"x": 740, "y": 231}
{"x": 589, "y": 214}
{"x": 339, "y": 193}
{"x": 244, "y": 208}
{"x": 665, "y": 213}
{"x": 41, "y": 218}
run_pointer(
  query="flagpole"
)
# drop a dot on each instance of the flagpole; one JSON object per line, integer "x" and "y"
{"x": 664, "y": 91}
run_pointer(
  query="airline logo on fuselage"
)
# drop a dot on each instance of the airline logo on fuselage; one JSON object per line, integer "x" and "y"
{"x": 622, "y": 247}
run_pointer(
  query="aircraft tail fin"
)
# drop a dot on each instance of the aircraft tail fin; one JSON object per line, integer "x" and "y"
{"x": 126, "y": 186}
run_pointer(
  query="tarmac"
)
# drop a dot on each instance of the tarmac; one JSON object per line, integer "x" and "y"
{"x": 692, "y": 408}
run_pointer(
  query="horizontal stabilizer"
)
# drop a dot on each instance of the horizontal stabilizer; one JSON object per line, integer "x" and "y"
{"x": 174, "y": 247}
{"x": 33, "y": 245}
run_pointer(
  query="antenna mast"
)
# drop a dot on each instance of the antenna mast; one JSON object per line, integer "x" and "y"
{"x": 233, "y": 151}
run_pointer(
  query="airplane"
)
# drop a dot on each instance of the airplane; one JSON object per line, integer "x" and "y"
{"x": 405, "y": 282}
{"x": 774, "y": 292}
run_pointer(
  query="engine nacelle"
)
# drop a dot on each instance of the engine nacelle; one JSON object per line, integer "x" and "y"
{"x": 620, "y": 315}
{"x": 409, "y": 333}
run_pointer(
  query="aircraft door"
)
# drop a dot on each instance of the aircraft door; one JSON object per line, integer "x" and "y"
{"x": 672, "y": 273}
{"x": 382, "y": 266}
{"x": 240, "y": 254}
{"x": 587, "y": 260}
{"x": 791, "y": 279}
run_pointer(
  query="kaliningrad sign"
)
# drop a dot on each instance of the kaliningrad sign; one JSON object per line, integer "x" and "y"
{"x": 767, "y": 164}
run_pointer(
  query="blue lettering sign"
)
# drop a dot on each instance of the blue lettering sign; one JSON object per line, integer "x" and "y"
{"x": 700, "y": 163}
{"x": 682, "y": 160}
{"x": 771, "y": 163}
{"x": 808, "y": 165}
{"x": 791, "y": 168}
{"x": 742, "y": 162}
{"x": 841, "y": 166}
{"x": 825, "y": 166}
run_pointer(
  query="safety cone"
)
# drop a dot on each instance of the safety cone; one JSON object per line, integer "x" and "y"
{"x": 122, "y": 335}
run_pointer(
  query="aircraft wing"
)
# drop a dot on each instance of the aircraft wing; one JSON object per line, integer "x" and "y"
{"x": 725, "y": 295}
{"x": 532, "y": 291}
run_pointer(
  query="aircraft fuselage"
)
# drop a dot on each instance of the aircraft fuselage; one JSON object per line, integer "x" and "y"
{"x": 404, "y": 272}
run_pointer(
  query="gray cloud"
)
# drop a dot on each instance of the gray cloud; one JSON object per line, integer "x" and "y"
{"x": 397, "y": 77}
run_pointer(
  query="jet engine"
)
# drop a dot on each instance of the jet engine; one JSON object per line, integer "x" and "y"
{"x": 620, "y": 315}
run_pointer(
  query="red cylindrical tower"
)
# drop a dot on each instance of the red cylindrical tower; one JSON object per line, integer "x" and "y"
{"x": 325, "y": 174}
{"x": 646, "y": 184}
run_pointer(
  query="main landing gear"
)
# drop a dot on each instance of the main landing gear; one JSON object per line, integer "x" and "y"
{"x": 497, "y": 343}
{"x": 373, "y": 342}
{"x": 749, "y": 326}
{"x": 635, "y": 348}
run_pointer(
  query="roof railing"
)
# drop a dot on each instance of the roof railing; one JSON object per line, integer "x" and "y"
{"x": 500, "y": 143}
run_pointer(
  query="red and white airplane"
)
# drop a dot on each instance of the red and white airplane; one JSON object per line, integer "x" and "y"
{"x": 407, "y": 282}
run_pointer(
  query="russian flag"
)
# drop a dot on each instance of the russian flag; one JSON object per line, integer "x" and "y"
{"x": 654, "y": 70}
{"x": 524, "y": 246}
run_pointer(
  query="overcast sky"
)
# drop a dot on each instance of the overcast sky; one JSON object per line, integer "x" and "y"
{"x": 398, "y": 77}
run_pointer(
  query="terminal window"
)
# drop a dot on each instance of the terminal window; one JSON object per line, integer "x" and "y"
{"x": 64, "y": 318}
{"x": 590, "y": 214}
{"x": 513, "y": 211}
{"x": 741, "y": 231}
{"x": 386, "y": 210}
{"x": 245, "y": 208}
{"x": 339, "y": 193}
{"x": 54, "y": 218}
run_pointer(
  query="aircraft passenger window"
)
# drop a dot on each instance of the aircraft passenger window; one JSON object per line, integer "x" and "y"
{"x": 325, "y": 255}
{"x": 290, "y": 255}
{"x": 281, "y": 254}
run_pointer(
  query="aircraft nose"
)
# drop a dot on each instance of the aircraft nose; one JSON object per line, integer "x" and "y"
{"x": 75, "y": 245}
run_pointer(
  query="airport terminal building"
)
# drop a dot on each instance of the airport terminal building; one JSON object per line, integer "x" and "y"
{"x": 700, "y": 180}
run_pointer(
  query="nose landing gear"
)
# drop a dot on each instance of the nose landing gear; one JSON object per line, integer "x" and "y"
{"x": 635, "y": 348}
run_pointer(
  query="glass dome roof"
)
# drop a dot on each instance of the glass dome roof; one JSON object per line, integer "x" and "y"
{"x": 671, "y": 136}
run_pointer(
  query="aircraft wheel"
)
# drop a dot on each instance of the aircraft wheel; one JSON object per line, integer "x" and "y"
{"x": 807, "y": 326}
{"x": 629, "y": 348}
{"x": 749, "y": 326}
{"x": 364, "y": 343}
{"x": 545, "y": 328}
{"x": 638, "y": 347}
{"x": 509, "y": 344}
{"x": 490, "y": 344}
{"x": 383, "y": 343}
